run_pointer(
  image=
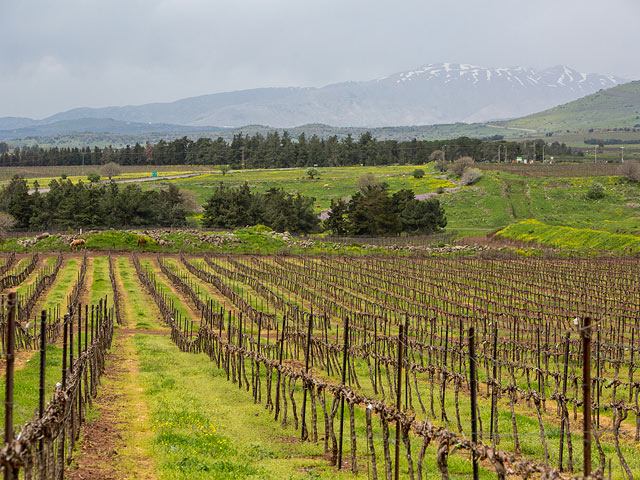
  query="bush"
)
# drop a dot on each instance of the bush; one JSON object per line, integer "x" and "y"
{"x": 63, "y": 176}
{"x": 418, "y": 173}
{"x": 7, "y": 222}
{"x": 630, "y": 171}
{"x": 470, "y": 176}
{"x": 93, "y": 177}
{"x": 367, "y": 181}
{"x": 596, "y": 191}
{"x": 460, "y": 165}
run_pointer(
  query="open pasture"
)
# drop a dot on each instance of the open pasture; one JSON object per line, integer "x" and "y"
{"x": 246, "y": 366}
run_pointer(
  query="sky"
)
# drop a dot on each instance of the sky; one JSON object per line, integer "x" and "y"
{"x": 58, "y": 55}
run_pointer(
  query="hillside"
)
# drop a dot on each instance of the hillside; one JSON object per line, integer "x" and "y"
{"x": 617, "y": 107}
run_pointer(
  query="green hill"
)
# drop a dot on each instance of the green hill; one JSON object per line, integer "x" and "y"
{"x": 617, "y": 107}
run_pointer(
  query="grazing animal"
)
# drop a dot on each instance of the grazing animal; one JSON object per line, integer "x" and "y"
{"x": 78, "y": 243}
{"x": 142, "y": 241}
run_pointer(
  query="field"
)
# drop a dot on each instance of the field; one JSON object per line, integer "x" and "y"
{"x": 554, "y": 194}
{"x": 234, "y": 366}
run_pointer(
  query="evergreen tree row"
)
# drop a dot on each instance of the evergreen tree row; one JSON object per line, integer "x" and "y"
{"x": 84, "y": 205}
{"x": 238, "y": 207}
{"x": 277, "y": 150}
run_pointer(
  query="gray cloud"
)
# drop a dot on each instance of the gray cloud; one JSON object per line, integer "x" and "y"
{"x": 59, "y": 55}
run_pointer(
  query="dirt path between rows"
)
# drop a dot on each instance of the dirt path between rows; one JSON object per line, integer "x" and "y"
{"x": 112, "y": 444}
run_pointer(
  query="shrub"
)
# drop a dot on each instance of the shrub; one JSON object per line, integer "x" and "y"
{"x": 460, "y": 165}
{"x": 63, "y": 176}
{"x": 6, "y": 223}
{"x": 366, "y": 181}
{"x": 418, "y": 173}
{"x": 470, "y": 176}
{"x": 596, "y": 191}
{"x": 630, "y": 171}
{"x": 93, "y": 177}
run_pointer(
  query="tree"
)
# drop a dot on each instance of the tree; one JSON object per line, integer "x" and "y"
{"x": 418, "y": 173}
{"x": 422, "y": 216}
{"x": 224, "y": 169}
{"x": 93, "y": 177}
{"x": 16, "y": 201}
{"x": 371, "y": 212}
{"x": 436, "y": 155}
{"x": 460, "y": 165}
{"x": 111, "y": 169}
{"x": 630, "y": 171}
{"x": 312, "y": 173}
{"x": 337, "y": 221}
{"x": 4, "y": 148}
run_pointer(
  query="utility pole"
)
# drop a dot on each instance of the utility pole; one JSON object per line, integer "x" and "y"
{"x": 622, "y": 158}
{"x": 543, "y": 153}
{"x": 242, "y": 149}
{"x": 499, "y": 152}
{"x": 444, "y": 153}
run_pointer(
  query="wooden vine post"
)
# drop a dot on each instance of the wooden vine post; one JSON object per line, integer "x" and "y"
{"x": 564, "y": 393}
{"x": 279, "y": 375}
{"x": 474, "y": 400}
{"x": 344, "y": 379}
{"x": 585, "y": 335}
{"x": 399, "y": 399}
{"x": 8, "y": 398}
{"x": 43, "y": 366}
{"x": 304, "y": 431}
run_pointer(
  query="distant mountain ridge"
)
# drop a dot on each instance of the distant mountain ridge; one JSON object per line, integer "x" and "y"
{"x": 432, "y": 94}
{"x": 93, "y": 125}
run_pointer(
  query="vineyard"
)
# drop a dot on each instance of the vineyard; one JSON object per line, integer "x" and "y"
{"x": 301, "y": 367}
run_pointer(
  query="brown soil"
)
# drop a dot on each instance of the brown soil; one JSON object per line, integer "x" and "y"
{"x": 102, "y": 437}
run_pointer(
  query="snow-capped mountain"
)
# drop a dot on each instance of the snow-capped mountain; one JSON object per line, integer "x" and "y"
{"x": 435, "y": 93}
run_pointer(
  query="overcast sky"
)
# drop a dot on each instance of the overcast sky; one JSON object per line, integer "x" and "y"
{"x": 57, "y": 55}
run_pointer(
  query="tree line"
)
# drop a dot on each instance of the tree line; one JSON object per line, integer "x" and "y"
{"x": 372, "y": 210}
{"x": 84, "y": 205}
{"x": 280, "y": 150}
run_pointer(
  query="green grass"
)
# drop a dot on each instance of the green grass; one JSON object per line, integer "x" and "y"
{"x": 101, "y": 285}
{"x": 567, "y": 237}
{"x": 136, "y": 301}
{"x": 61, "y": 288}
{"x": 332, "y": 184}
{"x": 26, "y": 381}
{"x": 206, "y": 428}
